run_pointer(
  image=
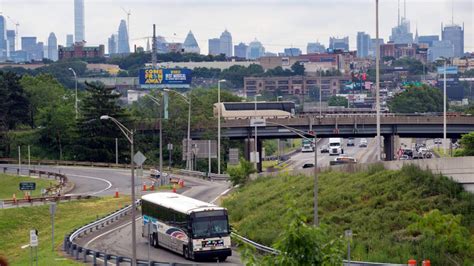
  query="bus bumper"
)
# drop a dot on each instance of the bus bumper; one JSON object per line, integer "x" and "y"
{"x": 213, "y": 253}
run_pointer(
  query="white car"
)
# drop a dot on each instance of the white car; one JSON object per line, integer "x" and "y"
{"x": 363, "y": 143}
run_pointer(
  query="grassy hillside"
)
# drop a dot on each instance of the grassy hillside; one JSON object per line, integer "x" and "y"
{"x": 10, "y": 185}
{"x": 16, "y": 223}
{"x": 390, "y": 212}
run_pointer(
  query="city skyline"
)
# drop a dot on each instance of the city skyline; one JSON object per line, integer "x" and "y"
{"x": 302, "y": 23}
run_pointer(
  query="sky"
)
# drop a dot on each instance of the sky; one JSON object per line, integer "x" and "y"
{"x": 278, "y": 24}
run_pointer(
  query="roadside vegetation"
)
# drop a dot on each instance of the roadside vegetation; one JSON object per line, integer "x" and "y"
{"x": 394, "y": 215}
{"x": 16, "y": 223}
{"x": 10, "y": 185}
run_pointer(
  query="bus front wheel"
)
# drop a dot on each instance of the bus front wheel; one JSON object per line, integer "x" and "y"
{"x": 154, "y": 241}
{"x": 186, "y": 253}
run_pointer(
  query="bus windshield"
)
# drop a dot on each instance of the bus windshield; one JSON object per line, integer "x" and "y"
{"x": 213, "y": 226}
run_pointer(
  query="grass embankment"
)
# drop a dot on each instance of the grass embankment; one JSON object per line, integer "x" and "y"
{"x": 10, "y": 185}
{"x": 16, "y": 223}
{"x": 384, "y": 209}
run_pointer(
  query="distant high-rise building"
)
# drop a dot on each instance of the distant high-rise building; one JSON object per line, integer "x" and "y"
{"x": 190, "y": 44}
{"x": 440, "y": 49}
{"x": 3, "y": 37}
{"x": 428, "y": 39}
{"x": 373, "y": 46}
{"x": 455, "y": 34}
{"x": 315, "y": 48}
{"x": 339, "y": 43}
{"x": 214, "y": 46}
{"x": 29, "y": 45}
{"x": 226, "y": 44}
{"x": 79, "y": 27}
{"x": 52, "y": 47}
{"x": 69, "y": 40}
{"x": 255, "y": 50}
{"x": 38, "y": 55}
{"x": 401, "y": 33}
{"x": 11, "y": 40}
{"x": 240, "y": 50}
{"x": 292, "y": 51}
{"x": 363, "y": 44}
{"x": 123, "y": 46}
{"x": 112, "y": 44}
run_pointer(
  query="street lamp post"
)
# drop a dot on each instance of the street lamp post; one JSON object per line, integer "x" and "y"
{"x": 377, "y": 79}
{"x": 159, "y": 103}
{"x": 75, "y": 78}
{"x": 444, "y": 108}
{"x": 256, "y": 145}
{"x": 219, "y": 125}
{"x": 188, "y": 141}
{"x": 129, "y": 135}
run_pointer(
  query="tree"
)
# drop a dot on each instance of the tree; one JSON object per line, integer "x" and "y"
{"x": 337, "y": 101}
{"x": 298, "y": 69}
{"x": 96, "y": 138}
{"x": 467, "y": 145}
{"x": 241, "y": 173}
{"x": 16, "y": 100}
{"x": 43, "y": 90}
{"x": 413, "y": 99}
{"x": 300, "y": 244}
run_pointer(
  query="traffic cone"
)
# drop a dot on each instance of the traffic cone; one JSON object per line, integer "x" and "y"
{"x": 116, "y": 193}
{"x": 411, "y": 262}
{"x": 426, "y": 263}
{"x": 181, "y": 183}
{"x": 152, "y": 188}
{"x": 174, "y": 188}
{"x": 144, "y": 186}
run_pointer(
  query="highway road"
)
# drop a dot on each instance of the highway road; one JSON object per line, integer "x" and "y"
{"x": 362, "y": 155}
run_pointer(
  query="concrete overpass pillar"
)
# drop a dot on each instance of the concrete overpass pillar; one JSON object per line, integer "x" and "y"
{"x": 247, "y": 148}
{"x": 389, "y": 147}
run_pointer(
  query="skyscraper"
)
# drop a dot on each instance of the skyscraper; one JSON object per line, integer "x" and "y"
{"x": 11, "y": 40}
{"x": 3, "y": 37}
{"x": 401, "y": 33}
{"x": 240, "y": 50}
{"x": 123, "y": 46}
{"x": 292, "y": 51}
{"x": 455, "y": 34}
{"x": 79, "y": 28}
{"x": 69, "y": 40}
{"x": 363, "y": 44}
{"x": 52, "y": 47}
{"x": 428, "y": 39}
{"x": 439, "y": 49}
{"x": 339, "y": 43}
{"x": 315, "y": 47}
{"x": 190, "y": 44}
{"x": 373, "y": 46}
{"x": 214, "y": 46}
{"x": 226, "y": 44}
{"x": 112, "y": 44}
{"x": 255, "y": 50}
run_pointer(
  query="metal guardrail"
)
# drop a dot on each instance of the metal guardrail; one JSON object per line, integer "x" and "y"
{"x": 256, "y": 245}
{"x": 44, "y": 200}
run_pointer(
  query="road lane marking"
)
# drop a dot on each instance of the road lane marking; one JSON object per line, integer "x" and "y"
{"x": 220, "y": 195}
{"x": 109, "y": 184}
{"x": 107, "y": 232}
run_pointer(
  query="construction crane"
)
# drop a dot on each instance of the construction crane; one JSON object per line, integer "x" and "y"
{"x": 128, "y": 20}
{"x": 16, "y": 31}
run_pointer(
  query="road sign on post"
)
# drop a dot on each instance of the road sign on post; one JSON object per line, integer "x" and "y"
{"x": 139, "y": 158}
{"x": 234, "y": 156}
{"x": 27, "y": 185}
{"x": 257, "y": 122}
{"x": 33, "y": 238}
{"x": 170, "y": 146}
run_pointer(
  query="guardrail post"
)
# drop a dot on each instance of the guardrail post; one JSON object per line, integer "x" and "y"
{"x": 94, "y": 258}
{"x": 4, "y": 170}
{"x": 78, "y": 250}
{"x": 117, "y": 260}
{"x": 84, "y": 257}
{"x": 65, "y": 243}
{"x": 17, "y": 171}
{"x": 106, "y": 258}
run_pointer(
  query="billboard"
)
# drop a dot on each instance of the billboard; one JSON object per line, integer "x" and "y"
{"x": 151, "y": 78}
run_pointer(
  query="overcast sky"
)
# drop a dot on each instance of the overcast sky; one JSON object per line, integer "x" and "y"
{"x": 276, "y": 23}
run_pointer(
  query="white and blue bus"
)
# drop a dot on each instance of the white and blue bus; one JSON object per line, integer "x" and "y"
{"x": 193, "y": 228}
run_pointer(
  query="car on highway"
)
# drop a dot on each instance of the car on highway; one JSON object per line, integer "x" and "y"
{"x": 343, "y": 160}
{"x": 363, "y": 143}
{"x": 350, "y": 142}
{"x": 404, "y": 157}
{"x": 324, "y": 149}
{"x": 437, "y": 141}
{"x": 308, "y": 165}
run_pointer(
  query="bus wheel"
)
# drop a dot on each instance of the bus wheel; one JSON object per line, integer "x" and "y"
{"x": 186, "y": 252}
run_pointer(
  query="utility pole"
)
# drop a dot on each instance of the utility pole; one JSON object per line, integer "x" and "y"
{"x": 377, "y": 79}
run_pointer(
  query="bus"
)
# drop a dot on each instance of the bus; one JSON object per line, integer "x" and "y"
{"x": 193, "y": 228}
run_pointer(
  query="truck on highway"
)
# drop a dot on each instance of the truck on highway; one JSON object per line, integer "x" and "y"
{"x": 307, "y": 146}
{"x": 335, "y": 146}
{"x": 193, "y": 228}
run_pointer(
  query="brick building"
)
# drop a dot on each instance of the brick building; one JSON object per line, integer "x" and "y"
{"x": 79, "y": 50}
{"x": 294, "y": 85}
